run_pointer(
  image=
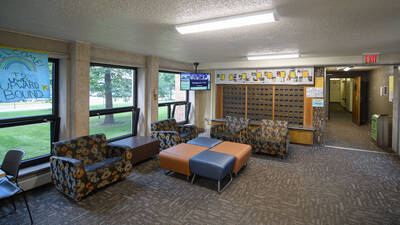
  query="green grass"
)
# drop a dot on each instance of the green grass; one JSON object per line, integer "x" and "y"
{"x": 163, "y": 113}
{"x": 35, "y": 139}
{"x": 122, "y": 125}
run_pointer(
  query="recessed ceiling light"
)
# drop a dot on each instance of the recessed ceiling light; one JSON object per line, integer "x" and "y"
{"x": 274, "y": 56}
{"x": 229, "y": 22}
{"x": 348, "y": 68}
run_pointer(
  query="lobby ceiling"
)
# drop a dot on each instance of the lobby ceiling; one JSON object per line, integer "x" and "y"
{"x": 315, "y": 28}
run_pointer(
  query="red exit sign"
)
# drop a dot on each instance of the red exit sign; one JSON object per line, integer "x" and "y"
{"x": 371, "y": 58}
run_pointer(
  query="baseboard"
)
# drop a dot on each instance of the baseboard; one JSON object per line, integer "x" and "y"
{"x": 34, "y": 181}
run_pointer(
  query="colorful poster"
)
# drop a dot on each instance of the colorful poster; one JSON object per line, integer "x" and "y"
{"x": 316, "y": 102}
{"x": 24, "y": 75}
{"x": 391, "y": 80}
{"x": 289, "y": 76}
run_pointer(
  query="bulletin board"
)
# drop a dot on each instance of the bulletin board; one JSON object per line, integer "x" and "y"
{"x": 283, "y": 76}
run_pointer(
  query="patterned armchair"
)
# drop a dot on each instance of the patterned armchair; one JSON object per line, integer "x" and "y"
{"x": 82, "y": 165}
{"x": 272, "y": 137}
{"x": 169, "y": 133}
{"x": 234, "y": 129}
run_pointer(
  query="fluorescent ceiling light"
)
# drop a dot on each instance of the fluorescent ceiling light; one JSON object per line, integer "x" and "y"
{"x": 229, "y": 22}
{"x": 347, "y": 68}
{"x": 274, "y": 56}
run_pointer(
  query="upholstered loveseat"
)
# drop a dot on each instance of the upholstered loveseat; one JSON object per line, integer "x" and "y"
{"x": 271, "y": 137}
{"x": 169, "y": 133}
{"x": 82, "y": 165}
{"x": 233, "y": 129}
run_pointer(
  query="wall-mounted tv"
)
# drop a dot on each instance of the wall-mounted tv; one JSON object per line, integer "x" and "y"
{"x": 195, "y": 81}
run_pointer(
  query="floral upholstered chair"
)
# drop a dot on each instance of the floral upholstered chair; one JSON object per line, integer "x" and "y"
{"x": 81, "y": 165}
{"x": 272, "y": 137}
{"x": 234, "y": 129}
{"x": 169, "y": 133}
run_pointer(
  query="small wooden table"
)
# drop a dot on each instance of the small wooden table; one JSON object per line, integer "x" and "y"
{"x": 2, "y": 174}
{"x": 143, "y": 147}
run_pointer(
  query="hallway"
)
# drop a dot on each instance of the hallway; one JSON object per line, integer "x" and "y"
{"x": 342, "y": 132}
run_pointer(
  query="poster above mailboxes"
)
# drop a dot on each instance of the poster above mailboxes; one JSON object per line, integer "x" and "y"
{"x": 286, "y": 76}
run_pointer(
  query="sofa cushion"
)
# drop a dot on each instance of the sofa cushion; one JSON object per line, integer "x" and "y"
{"x": 89, "y": 149}
{"x": 165, "y": 125}
{"x": 107, "y": 161}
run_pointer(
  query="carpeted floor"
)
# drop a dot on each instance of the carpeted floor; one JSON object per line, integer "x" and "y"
{"x": 342, "y": 132}
{"x": 310, "y": 186}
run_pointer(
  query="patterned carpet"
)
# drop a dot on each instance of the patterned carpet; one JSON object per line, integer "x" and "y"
{"x": 311, "y": 186}
{"x": 342, "y": 132}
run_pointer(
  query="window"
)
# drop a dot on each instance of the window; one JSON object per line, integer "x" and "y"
{"x": 172, "y": 102}
{"x": 31, "y": 125}
{"x": 113, "y": 103}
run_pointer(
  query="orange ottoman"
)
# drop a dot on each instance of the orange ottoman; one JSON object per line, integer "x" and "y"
{"x": 241, "y": 152}
{"x": 177, "y": 157}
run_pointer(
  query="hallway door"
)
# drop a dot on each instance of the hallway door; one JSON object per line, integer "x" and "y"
{"x": 357, "y": 100}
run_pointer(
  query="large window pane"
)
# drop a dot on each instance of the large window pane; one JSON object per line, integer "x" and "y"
{"x": 169, "y": 89}
{"x": 33, "y": 139}
{"x": 28, "y": 107}
{"x": 162, "y": 112}
{"x": 111, "y": 87}
{"x": 180, "y": 113}
{"x": 121, "y": 124}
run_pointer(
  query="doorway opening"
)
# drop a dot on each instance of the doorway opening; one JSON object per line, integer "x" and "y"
{"x": 354, "y": 97}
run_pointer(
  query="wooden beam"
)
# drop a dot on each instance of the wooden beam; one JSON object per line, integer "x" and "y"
{"x": 220, "y": 101}
{"x": 245, "y": 103}
{"x": 273, "y": 102}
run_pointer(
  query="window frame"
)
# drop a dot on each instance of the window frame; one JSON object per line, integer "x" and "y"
{"x": 171, "y": 105}
{"x": 53, "y": 118}
{"x": 134, "y": 109}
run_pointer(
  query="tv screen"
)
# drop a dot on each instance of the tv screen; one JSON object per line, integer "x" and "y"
{"x": 195, "y": 81}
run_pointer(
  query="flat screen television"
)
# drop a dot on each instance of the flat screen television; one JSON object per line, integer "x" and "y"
{"x": 195, "y": 81}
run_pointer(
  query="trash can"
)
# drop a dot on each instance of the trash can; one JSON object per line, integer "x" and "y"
{"x": 374, "y": 126}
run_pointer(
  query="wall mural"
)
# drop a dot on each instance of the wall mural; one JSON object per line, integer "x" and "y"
{"x": 286, "y": 76}
{"x": 24, "y": 75}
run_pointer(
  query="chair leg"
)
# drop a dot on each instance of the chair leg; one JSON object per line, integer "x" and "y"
{"x": 194, "y": 175}
{"x": 27, "y": 207}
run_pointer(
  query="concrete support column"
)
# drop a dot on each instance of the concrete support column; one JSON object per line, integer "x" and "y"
{"x": 152, "y": 67}
{"x": 143, "y": 99}
{"x": 64, "y": 85}
{"x": 396, "y": 111}
{"x": 80, "y": 69}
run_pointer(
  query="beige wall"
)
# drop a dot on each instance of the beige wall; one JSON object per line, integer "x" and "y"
{"x": 349, "y": 94}
{"x": 378, "y": 104}
{"x": 334, "y": 90}
{"x": 346, "y": 93}
{"x": 205, "y": 104}
{"x": 75, "y": 58}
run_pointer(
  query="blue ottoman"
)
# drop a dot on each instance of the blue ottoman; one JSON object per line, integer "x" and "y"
{"x": 205, "y": 141}
{"x": 213, "y": 165}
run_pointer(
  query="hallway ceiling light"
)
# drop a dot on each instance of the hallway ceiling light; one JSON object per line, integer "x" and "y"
{"x": 348, "y": 68}
{"x": 229, "y": 22}
{"x": 274, "y": 56}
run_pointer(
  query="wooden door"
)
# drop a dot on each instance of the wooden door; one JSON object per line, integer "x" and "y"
{"x": 357, "y": 100}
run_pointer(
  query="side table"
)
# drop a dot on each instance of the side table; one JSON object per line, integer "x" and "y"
{"x": 143, "y": 147}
